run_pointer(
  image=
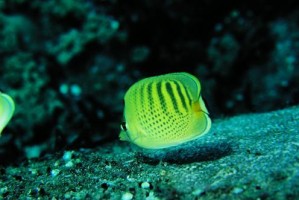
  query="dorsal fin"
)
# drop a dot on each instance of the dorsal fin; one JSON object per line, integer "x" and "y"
{"x": 190, "y": 81}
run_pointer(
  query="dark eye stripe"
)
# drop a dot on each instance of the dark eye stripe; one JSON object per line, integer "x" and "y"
{"x": 169, "y": 90}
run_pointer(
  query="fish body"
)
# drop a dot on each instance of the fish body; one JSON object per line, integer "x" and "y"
{"x": 164, "y": 111}
{"x": 7, "y": 108}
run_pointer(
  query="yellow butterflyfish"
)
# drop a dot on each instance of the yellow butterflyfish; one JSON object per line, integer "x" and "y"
{"x": 7, "y": 108}
{"x": 164, "y": 111}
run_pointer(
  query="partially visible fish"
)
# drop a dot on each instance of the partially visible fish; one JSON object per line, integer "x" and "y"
{"x": 7, "y": 108}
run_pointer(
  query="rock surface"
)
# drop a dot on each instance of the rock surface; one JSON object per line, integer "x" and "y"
{"x": 253, "y": 156}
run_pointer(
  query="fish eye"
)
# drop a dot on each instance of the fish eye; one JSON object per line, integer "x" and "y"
{"x": 123, "y": 126}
